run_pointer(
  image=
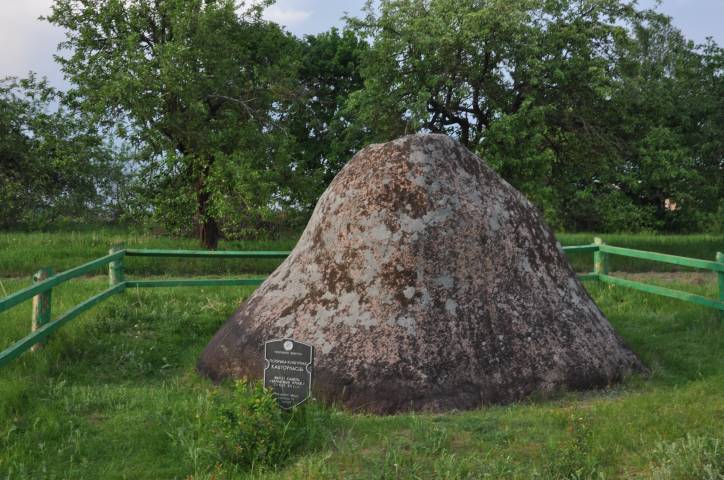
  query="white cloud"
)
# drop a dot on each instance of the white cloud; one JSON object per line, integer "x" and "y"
{"x": 286, "y": 16}
{"x": 27, "y": 43}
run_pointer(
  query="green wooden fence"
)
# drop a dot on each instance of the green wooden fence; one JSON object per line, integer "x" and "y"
{"x": 44, "y": 281}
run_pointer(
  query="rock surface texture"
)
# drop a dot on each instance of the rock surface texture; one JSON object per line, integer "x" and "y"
{"x": 426, "y": 282}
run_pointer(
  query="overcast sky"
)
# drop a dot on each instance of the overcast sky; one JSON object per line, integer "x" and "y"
{"x": 27, "y": 43}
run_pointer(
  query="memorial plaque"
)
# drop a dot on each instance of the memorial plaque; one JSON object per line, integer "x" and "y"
{"x": 288, "y": 371}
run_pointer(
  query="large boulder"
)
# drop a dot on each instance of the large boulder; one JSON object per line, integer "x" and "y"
{"x": 426, "y": 282}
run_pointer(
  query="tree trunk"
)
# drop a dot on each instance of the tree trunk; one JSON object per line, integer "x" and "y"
{"x": 208, "y": 230}
{"x": 209, "y": 234}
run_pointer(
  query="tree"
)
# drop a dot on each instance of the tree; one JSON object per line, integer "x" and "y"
{"x": 54, "y": 165}
{"x": 324, "y": 135}
{"x": 603, "y": 115}
{"x": 194, "y": 82}
{"x": 669, "y": 103}
{"x": 521, "y": 83}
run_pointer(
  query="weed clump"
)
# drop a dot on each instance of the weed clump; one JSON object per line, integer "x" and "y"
{"x": 692, "y": 457}
{"x": 251, "y": 430}
{"x": 574, "y": 458}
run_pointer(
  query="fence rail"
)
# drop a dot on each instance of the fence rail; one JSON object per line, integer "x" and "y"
{"x": 131, "y": 252}
{"x": 55, "y": 280}
{"x": 663, "y": 291}
{"x": 193, "y": 282}
{"x": 40, "y": 334}
{"x": 40, "y": 291}
{"x": 664, "y": 258}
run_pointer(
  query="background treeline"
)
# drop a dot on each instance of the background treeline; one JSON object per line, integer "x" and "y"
{"x": 198, "y": 116}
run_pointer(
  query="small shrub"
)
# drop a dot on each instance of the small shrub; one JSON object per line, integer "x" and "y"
{"x": 689, "y": 458}
{"x": 574, "y": 459}
{"x": 252, "y": 431}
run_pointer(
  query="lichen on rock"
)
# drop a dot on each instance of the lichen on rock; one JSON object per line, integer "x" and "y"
{"x": 426, "y": 282}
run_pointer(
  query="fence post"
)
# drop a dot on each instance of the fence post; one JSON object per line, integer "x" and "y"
{"x": 720, "y": 281}
{"x": 600, "y": 259}
{"x": 41, "y": 305}
{"x": 115, "y": 268}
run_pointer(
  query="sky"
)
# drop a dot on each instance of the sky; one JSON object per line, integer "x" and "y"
{"x": 27, "y": 43}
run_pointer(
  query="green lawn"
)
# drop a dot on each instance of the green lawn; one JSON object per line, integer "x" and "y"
{"x": 115, "y": 395}
{"x": 21, "y": 254}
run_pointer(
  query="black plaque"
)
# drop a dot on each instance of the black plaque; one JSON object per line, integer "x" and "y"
{"x": 288, "y": 371}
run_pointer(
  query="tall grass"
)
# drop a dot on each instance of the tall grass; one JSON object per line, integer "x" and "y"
{"x": 115, "y": 395}
{"x": 21, "y": 254}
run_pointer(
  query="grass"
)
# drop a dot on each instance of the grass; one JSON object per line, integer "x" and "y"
{"x": 21, "y": 254}
{"x": 115, "y": 395}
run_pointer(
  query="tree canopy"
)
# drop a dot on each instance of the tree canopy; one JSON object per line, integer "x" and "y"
{"x": 54, "y": 165}
{"x": 603, "y": 114}
{"x": 197, "y": 82}
{"x": 586, "y": 106}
